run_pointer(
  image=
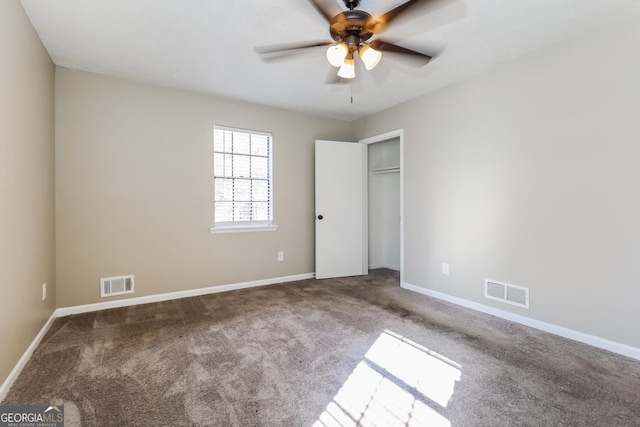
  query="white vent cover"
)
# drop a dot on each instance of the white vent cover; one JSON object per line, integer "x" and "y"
{"x": 110, "y": 286}
{"x": 510, "y": 294}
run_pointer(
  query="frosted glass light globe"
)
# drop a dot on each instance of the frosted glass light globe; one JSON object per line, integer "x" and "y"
{"x": 336, "y": 54}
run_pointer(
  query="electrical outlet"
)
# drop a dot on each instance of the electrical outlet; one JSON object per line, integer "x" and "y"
{"x": 445, "y": 269}
{"x": 44, "y": 291}
{"x": 280, "y": 256}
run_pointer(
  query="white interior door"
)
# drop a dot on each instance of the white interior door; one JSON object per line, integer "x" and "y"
{"x": 339, "y": 209}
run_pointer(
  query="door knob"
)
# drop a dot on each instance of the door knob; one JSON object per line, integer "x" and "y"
{"x": 320, "y": 217}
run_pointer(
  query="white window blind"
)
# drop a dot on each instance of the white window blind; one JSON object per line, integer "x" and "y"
{"x": 242, "y": 178}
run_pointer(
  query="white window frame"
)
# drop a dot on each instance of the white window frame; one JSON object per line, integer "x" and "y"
{"x": 246, "y": 226}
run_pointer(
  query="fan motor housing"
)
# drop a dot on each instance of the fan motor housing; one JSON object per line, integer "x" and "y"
{"x": 352, "y": 23}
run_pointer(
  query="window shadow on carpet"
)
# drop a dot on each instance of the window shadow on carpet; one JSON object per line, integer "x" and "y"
{"x": 397, "y": 383}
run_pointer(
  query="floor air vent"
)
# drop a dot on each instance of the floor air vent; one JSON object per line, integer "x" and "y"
{"x": 110, "y": 286}
{"x": 510, "y": 294}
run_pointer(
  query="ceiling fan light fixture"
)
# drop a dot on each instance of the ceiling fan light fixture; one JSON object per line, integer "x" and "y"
{"x": 370, "y": 57}
{"x": 336, "y": 54}
{"x": 348, "y": 69}
{"x": 351, "y": 32}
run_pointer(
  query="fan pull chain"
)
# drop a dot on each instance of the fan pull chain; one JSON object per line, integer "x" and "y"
{"x": 351, "y": 88}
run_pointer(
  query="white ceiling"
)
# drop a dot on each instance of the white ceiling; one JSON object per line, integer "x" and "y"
{"x": 207, "y": 46}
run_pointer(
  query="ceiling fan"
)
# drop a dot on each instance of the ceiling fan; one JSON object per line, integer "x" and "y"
{"x": 351, "y": 31}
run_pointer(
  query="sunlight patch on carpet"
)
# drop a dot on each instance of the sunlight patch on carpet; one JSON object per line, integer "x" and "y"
{"x": 398, "y": 383}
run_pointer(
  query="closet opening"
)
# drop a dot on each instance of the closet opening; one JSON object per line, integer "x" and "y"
{"x": 383, "y": 213}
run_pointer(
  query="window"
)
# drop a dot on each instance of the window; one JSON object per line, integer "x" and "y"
{"x": 242, "y": 180}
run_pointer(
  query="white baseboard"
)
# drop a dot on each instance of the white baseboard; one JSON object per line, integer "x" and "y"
{"x": 390, "y": 267}
{"x": 6, "y": 385}
{"x": 66, "y": 311}
{"x": 623, "y": 349}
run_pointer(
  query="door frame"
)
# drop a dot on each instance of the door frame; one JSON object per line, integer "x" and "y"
{"x": 398, "y": 133}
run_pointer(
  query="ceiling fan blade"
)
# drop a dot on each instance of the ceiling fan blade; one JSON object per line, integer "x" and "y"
{"x": 276, "y": 48}
{"x": 421, "y": 59}
{"x": 327, "y": 8}
{"x": 385, "y": 19}
{"x": 332, "y": 77}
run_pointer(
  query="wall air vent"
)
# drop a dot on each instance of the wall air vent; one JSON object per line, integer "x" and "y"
{"x": 510, "y": 294}
{"x": 111, "y": 286}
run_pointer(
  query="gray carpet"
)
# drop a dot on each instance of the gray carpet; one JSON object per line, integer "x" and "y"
{"x": 354, "y": 351}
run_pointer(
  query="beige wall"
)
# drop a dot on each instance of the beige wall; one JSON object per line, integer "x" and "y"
{"x": 134, "y": 188}
{"x": 530, "y": 175}
{"x": 26, "y": 185}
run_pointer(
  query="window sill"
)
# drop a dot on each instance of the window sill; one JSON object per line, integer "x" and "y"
{"x": 242, "y": 229}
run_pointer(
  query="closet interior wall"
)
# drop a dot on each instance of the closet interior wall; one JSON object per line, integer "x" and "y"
{"x": 384, "y": 204}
